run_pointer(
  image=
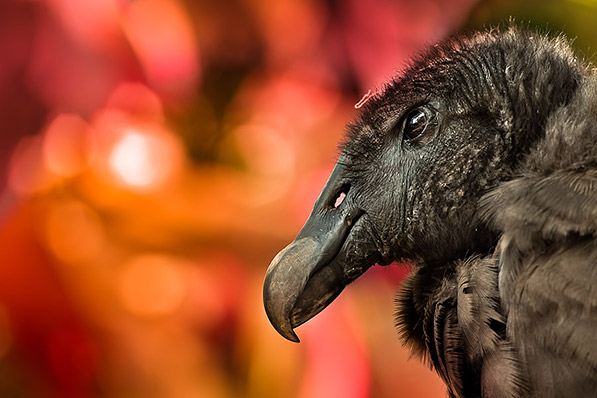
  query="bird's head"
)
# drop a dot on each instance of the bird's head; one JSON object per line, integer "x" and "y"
{"x": 416, "y": 162}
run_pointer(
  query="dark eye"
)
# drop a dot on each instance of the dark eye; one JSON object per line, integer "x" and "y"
{"x": 418, "y": 121}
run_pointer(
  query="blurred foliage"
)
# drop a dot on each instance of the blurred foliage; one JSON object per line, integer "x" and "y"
{"x": 574, "y": 18}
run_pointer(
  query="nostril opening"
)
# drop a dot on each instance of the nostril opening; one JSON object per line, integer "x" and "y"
{"x": 339, "y": 199}
{"x": 341, "y": 195}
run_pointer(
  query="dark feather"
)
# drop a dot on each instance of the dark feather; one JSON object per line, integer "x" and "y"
{"x": 523, "y": 321}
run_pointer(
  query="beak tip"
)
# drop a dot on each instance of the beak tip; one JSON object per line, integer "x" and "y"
{"x": 283, "y": 284}
{"x": 278, "y": 315}
{"x": 285, "y": 330}
{"x": 292, "y": 337}
{"x": 281, "y": 323}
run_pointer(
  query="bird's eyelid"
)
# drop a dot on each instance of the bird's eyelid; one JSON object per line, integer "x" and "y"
{"x": 418, "y": 136}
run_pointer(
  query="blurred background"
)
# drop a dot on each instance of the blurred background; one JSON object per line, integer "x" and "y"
{"x": 156, "y": 154}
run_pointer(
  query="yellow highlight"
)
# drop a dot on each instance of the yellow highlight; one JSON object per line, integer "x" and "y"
{"x": 588, "y": 3}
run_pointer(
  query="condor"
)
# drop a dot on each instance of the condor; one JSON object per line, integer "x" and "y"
{"x": 478, "y": 165}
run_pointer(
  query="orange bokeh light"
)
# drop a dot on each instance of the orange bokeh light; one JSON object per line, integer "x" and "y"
{"x": 144, "y": 160}
{"x": 136, "y": 155}
{"x": 65, "y": 145}
{"x": 134, "y": 160}
{"x": 74, "y": 232}
{"x": 153, "y": 284}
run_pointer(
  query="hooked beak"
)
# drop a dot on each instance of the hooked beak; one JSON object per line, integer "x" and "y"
{"x": 307, "y": 275}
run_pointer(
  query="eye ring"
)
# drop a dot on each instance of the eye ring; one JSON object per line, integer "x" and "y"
{"x": 418, "y": 121}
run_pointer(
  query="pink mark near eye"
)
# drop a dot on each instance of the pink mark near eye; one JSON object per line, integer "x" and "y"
{"x": 363, "y": 100}
{"x": 339, "y": 199}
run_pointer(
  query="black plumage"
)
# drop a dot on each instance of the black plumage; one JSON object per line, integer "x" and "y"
{"x": 479, "y": 165}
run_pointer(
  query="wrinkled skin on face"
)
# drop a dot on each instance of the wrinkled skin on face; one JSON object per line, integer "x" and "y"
{"x": 414, "y": 165}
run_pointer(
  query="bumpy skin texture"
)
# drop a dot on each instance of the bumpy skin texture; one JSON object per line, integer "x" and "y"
{"x": 496, "y": 205}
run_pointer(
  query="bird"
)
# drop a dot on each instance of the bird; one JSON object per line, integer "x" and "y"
{"x": 477, "y": 164}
